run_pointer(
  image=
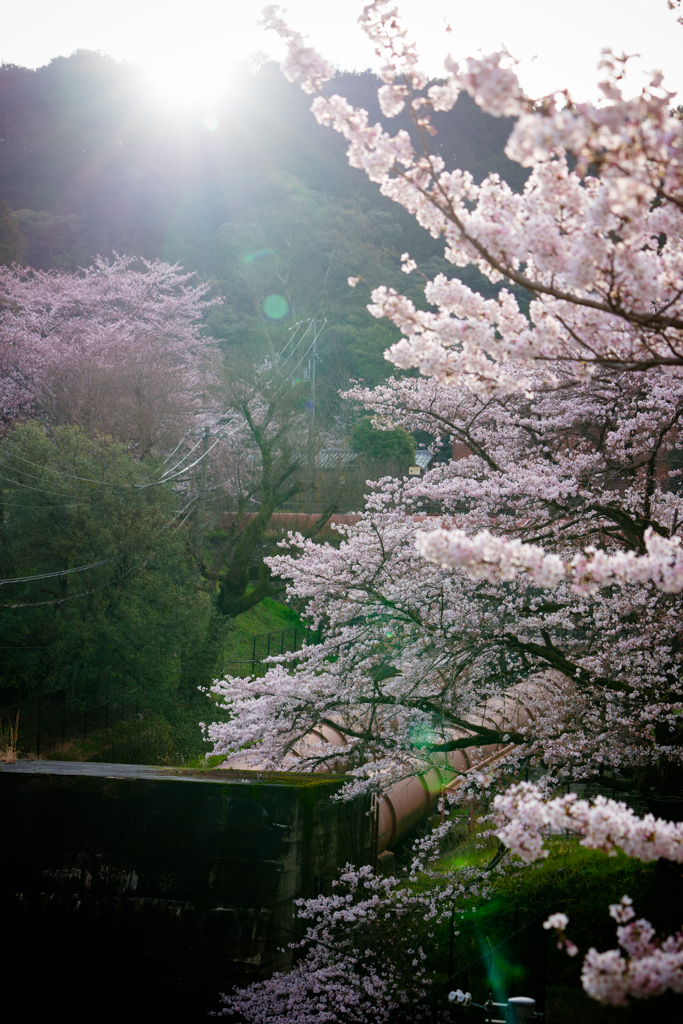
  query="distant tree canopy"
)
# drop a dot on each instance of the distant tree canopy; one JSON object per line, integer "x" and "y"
{"x": 374, "y": 444}
{"x": 254, "y": 196}
{"x": 136, "y": 612}
{"x": 12, "y": 243}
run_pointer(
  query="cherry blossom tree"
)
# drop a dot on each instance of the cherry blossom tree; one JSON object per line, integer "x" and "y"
{"x": 597, "y": 246}
{"x": 415, "y": 649}
{"x": 116, "y": 348}
{"x": 560, "y": 463}
{"x": 363, "y": 954}
{"x": 542, "y": 614}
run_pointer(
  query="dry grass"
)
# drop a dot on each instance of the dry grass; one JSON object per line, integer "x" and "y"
{"x": 8, "y": 740}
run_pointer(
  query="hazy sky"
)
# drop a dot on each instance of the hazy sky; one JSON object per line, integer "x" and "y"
{"x": 189, "y": 47}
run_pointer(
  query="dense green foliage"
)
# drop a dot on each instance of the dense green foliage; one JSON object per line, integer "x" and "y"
{"x": 574, "y": 880}
{"x": 141, "y": 618}
{"x": 395, "y": 444}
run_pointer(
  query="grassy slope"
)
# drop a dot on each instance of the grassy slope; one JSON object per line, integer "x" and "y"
{"x": 267, "y": 617}
{"x": 582, "y": 884}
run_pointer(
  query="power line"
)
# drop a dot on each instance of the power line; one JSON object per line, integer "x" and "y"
{"x": 169, "y": 457}
{"x": 279, "y": 364}
{"x": 294, "y": 349}
{"x": 62, "y": 572}
{"x": 61, "y": 473}
{"x": 100, "y": 483}
{"x": 32, "y": 487}
{"x": 155, "y": 483}
{"x": 183, "y": 458}
{"x": 84, "y": 593}
{"x": 177, "y": 515}
{"x": 43, "y": 508}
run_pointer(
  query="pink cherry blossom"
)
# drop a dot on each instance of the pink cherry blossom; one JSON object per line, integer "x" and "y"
{"x": 114, "y": 347}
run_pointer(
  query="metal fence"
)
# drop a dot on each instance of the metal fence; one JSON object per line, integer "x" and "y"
{"x": 279, "y": 641}
{"x": 513, "y": 968}
{"x": 56, "y": 717}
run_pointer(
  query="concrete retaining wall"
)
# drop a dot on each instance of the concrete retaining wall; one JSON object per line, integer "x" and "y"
{"x": 153, "y": 848}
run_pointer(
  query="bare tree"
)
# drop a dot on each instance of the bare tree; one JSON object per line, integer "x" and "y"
{"x": 260, "y": 464}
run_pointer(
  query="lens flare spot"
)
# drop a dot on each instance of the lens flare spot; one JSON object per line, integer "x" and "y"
{"x": 275, "y": 307}
{"x": 253, "y": 256}
{"x": 210, "y": 123}
{"x": 420, "y": 735}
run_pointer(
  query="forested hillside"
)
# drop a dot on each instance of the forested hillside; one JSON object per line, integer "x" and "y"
{"x": 251, "y": 194}
{"x": 258, "y": 201}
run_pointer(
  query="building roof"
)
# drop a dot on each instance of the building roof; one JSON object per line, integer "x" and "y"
{"x": 423, "y": 458}
{"x": 335, "y": 458}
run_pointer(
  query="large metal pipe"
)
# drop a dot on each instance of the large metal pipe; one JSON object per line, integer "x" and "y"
{"x": 408, "y": 803}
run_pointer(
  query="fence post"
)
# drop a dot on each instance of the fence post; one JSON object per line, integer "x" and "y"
{"x": 267, "y": 655}
{"x": 282, "y": 642}
{"x": 253, "y": 654}
{"x": 296, "y": 630}
{"x": 38, "y": 729}
{"x": 85, "y": 724}
{"x": 450, "y": 947}
{"x": 106, "y": 712}
{"x": 63, "y": 714}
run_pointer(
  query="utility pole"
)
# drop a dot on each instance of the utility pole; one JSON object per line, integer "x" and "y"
{"x": 311, "y": 405}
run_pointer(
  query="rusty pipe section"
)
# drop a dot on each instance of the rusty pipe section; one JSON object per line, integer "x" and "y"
{"x": 408, "y": 803}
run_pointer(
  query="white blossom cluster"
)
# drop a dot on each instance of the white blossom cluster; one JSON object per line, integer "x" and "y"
{"x": 528, "y": 591}
{"x": 651, "y": 965}
{"x": 605, "y": 825}
{"x": 362, "y": 958}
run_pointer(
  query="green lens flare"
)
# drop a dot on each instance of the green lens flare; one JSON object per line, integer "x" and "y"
{"x": 275, "y": 307}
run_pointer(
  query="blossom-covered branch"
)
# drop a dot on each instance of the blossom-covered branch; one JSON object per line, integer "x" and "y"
{"x": 495, "y": 558}
{"x": 605, "y": 825}
{"x": 597, "y": 246}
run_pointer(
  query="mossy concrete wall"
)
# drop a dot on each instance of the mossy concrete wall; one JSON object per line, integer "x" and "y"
{"x": 160, "y": 849}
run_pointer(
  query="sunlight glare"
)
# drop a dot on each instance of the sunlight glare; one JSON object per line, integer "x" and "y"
{"x": 186, "y": 80}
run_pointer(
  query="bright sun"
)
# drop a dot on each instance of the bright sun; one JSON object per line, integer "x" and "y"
{"x": 187, "y": 81}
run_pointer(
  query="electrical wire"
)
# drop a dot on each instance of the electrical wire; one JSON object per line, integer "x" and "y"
{"x": 155, "y": 483}
{"x": 32, "y": 487}
{"x": 62, "y": 572}
{"x": 43, "y": 508}
{"x": 183, "y": 521}
{"x": 85, "y": 593}
{"x": 104, "y": 483}
{"x": 174, "y": 450}
{"x": 310, "y": 347}
{"x": 182, "y": 460}
{"x": 179, "y": 514}
{"x": 280, "y": 365}
{"x": 59, "y": 472}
